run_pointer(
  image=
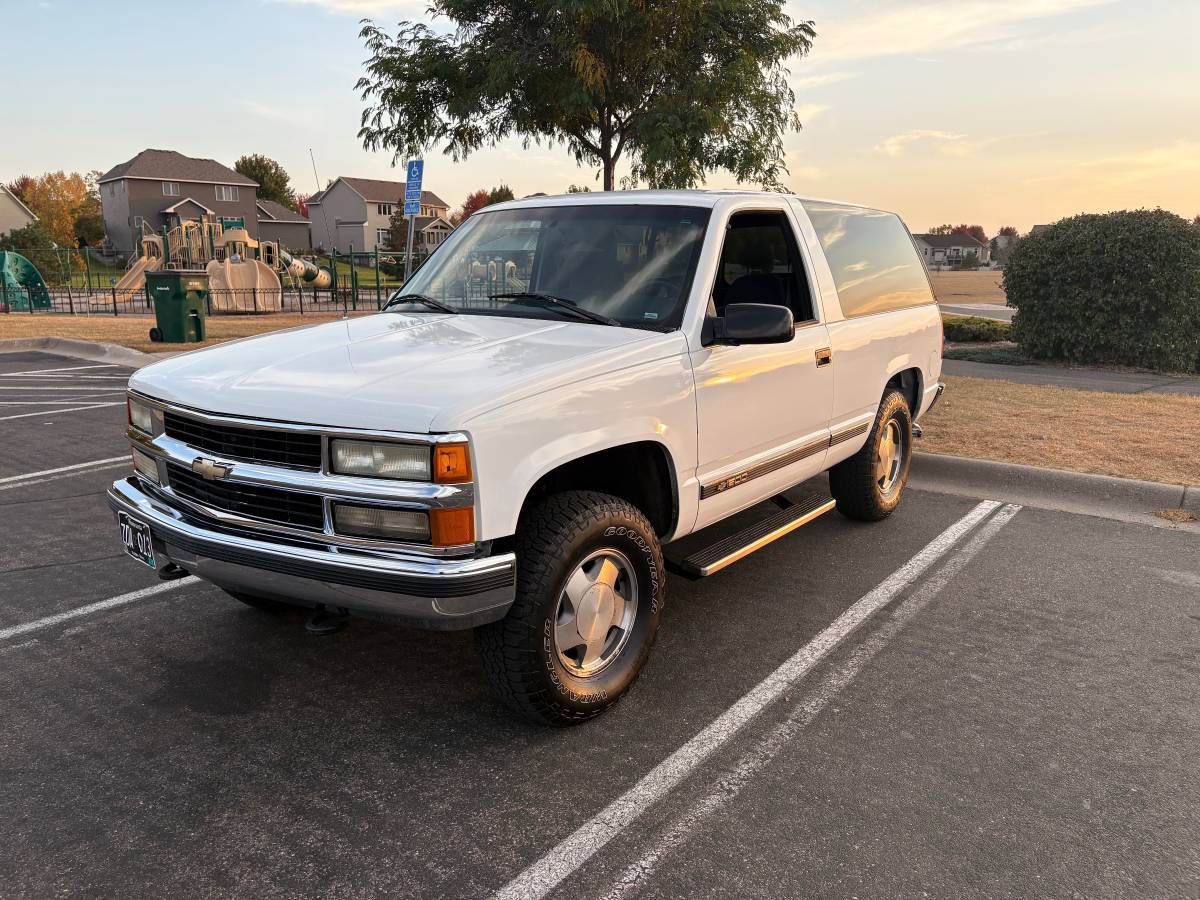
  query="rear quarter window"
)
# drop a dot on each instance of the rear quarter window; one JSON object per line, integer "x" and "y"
{"x": 871, "y": 254}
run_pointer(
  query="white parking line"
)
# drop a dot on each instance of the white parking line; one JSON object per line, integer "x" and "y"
{"x": 637, "y": 874}
{"x": 111, "y": 389}
{"x": 63, "y": 369}
{"x": 99, "y": 606}
{"x": 51, "y": 412}
{"x": 82, "y": 465}
{"x": 573, "y": 851}
{"x": 21, "y": 484}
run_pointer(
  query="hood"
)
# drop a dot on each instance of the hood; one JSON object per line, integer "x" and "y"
{"x": 392, "y": 372}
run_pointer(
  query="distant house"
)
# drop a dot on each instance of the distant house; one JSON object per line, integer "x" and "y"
{"x": 356, "y": 213}
{"x": 284, "y": 226}
{"x": 948, "y": 249}
{"x": 162, "y": 188}
{"x": 13, "y": 213}
{"x": 1038, "y": 229}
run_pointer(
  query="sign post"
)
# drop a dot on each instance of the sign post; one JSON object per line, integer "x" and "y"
{"x": 415, "y": 171}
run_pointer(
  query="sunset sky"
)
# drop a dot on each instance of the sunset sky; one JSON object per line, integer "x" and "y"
{"x": 994, "y": 112}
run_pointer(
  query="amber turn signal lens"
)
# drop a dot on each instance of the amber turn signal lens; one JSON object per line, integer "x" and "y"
{"x": 451, "y": 464}
{"x": 449, "y": 527}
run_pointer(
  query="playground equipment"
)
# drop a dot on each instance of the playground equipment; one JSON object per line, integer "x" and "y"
{"x": 21, "y": 284}
{"x": 149, "y": 260}
{"x": 239, "y": 281}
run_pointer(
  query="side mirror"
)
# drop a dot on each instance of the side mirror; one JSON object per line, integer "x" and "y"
{"x": 752, "y": 323}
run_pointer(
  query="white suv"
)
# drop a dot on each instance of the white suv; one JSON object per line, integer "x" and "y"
{"x": 568, "y": 385}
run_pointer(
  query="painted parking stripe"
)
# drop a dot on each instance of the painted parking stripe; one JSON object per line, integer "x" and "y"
{"x": 63, "y": 369}
{"x": 572, "y": 852}
{"x": 637, "y": 874}
{"x": 82, "y": 465}
{"x": 111, "y": 389}
{"x": 22, "y": 484}
{"x": 51, "y": 412}
{"x": 100, "y": 606}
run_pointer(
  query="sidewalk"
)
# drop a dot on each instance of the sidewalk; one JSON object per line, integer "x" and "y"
{"x": 1079, "y": 379}
{"x": 979, "y": 310}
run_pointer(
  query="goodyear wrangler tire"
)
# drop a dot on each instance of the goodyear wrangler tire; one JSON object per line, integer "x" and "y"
{"x": 868, "y": 486}
{"x": 590, "y": 592}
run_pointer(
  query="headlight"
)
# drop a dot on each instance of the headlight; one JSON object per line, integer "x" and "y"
{"x": 141, "y": 416}
{"x": 381, "y": 459}
{"x": 145, "y": 465}
{"x": 377, "y": 522}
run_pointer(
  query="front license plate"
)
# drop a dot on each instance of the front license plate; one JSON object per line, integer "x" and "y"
{"x": 137, "y": 540}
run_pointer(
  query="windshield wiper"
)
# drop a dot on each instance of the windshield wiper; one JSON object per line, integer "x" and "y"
{"x": 423, "y": 299}
{"x": 557, "y": 303}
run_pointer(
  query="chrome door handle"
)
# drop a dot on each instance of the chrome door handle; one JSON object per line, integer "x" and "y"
{"x": 824, "y": 357}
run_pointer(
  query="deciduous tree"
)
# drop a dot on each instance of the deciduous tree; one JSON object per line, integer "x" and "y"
{"x": 975, "y": 231}
{"x": 20, "y": 186}
{"x": 56, "y": 198}
{"x": 1011, "y": 231}
{"x": 676, "y": 89}
{"x": 500, "y": 194}
{"x": 273, "y": 180}
{"x": 475, "y": 201}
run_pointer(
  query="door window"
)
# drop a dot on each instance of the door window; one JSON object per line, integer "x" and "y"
{"x": 761, "y": 263}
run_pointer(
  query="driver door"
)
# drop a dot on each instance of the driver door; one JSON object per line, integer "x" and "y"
{"x": 763, "y": 409}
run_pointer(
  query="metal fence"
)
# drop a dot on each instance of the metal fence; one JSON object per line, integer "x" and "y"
{"x": 109, "y": 301}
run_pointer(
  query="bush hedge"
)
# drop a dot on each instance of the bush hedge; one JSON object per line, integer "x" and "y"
{"x": 1122, "y": 288}
{"x": 974, "y": 328}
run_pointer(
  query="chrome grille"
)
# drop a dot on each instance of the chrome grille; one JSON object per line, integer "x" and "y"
{"x": 297, "y": 450}
{"x": 269, "y": 504}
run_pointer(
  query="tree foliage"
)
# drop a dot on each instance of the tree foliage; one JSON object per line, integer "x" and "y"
{"x": 500, "y": 194}
{"x": 975, "y": 231}
{"x": 33, "y": 236}
{"x": 578, "y": 189}
{"x": 1122, "y": 287}
{"x": 274, "y": 183}
{"x": 1007, "y": 231}
{"x": 57, "y": 198}
{"x": 475, "y": 201}
{"x": 22, "y": 184}
{"x": 676, "y": 87}
{"x": 89, "y": 217}
{"x": 941, "y": 229}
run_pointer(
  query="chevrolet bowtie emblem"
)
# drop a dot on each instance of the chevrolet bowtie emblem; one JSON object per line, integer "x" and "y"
{"x": 209, "y": 469}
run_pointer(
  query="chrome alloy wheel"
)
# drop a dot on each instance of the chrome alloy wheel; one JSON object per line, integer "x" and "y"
{"x": 890, "y": 457}
{"x": 595, "y": 613}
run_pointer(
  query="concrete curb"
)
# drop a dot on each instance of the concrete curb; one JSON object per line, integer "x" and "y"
{"x": 89, "y": 350}
{"x": 1122, "y": 499}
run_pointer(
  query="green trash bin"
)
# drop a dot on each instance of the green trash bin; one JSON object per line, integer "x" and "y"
{"x": 179, "y": 302}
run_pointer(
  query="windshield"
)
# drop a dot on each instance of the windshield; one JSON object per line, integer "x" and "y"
{"x": 626, "y": 263}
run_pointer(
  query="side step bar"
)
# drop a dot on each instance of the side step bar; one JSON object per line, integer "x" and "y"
{"x": 729, "y": 550}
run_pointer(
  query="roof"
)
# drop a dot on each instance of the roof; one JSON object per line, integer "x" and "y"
{"x": 376, "y": 190}
{"x": 175, "y": 167}
{"x": 424, "y": 222}
{"x": 1038, "y": 229}
{"x": 19, "y": 203}
{"x": 948, "y": 240}
{"x": 277, "y": 212}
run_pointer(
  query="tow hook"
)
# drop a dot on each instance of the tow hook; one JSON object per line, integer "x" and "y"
{"x": 172, "y": 572}
{"x": 323, "y": 622}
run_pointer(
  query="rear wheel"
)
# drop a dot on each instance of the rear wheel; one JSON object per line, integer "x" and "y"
{"x": 590, "y": 592}
{"x": 868, "y": 486}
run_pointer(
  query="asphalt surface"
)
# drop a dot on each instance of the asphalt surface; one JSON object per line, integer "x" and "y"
{"x": 1017, "y": 716}
{"x": 980, "y": 310}
{"x": 1079, "y": 379}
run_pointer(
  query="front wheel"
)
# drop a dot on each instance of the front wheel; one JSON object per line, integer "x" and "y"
{"x": 590, "y": 592}
{"x": 869, "y": 484}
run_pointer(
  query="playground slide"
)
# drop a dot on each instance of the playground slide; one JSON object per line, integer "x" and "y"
{"x": 134, "y": 279}
{"x": 311, "y": 275}
{"x": 247, "y": 286}
{"x": 21, "y": 284}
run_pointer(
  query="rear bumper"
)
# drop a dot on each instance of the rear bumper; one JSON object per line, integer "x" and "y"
{"x": 932, "y": 396}
{"x": 441, "y": 594}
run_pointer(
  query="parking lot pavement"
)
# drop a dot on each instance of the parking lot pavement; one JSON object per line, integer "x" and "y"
{"x": 1014, "y": 714}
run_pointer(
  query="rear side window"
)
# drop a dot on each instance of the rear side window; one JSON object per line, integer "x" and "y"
{"x": 874, "y": 262}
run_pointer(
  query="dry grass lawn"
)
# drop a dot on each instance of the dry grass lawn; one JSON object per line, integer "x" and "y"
{"x": 134, "y": 331}
{"x": 968, "y": 287}
{"x": 1151, "y": 437}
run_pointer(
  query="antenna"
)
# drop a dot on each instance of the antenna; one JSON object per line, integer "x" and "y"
{"x": 324, "y": 218}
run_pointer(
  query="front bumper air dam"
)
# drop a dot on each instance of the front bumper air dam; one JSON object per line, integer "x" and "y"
{"x": 439, "y": 594}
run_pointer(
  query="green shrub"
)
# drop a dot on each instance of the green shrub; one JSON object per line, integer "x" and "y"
{"x": 1122, "y": 288}
{"x": 973, "y": 328}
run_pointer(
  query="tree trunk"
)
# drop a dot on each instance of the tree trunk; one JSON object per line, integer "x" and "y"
{"x": 610, "y": 173}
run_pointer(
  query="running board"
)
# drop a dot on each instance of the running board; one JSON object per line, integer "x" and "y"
{"x": 737, "y": 546}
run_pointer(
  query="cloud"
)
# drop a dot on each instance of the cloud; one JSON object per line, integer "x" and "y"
{"x": 927, "y": 26}
{"x": 275, "y": 113}
{"x": 1179, "y": 158}
{"x": 809, "y": 111}
{"x": 813, "y": 81}
{"x": 946, "y": 141}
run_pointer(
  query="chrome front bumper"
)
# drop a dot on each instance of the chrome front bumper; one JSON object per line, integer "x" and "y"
{"x": 441, "y": 594}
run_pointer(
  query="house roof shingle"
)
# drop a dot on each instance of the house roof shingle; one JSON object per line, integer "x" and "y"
{"x": 176, "y": 167}
{"x": 277, "y": 212}
{"x": 944, "y": 241}
{"x": 376, "y": 190}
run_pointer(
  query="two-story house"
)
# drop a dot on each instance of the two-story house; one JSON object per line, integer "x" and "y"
{"x": 356, "y": 213}
{"x": 948, "y": 249}
{"x": 163, "y": 188}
